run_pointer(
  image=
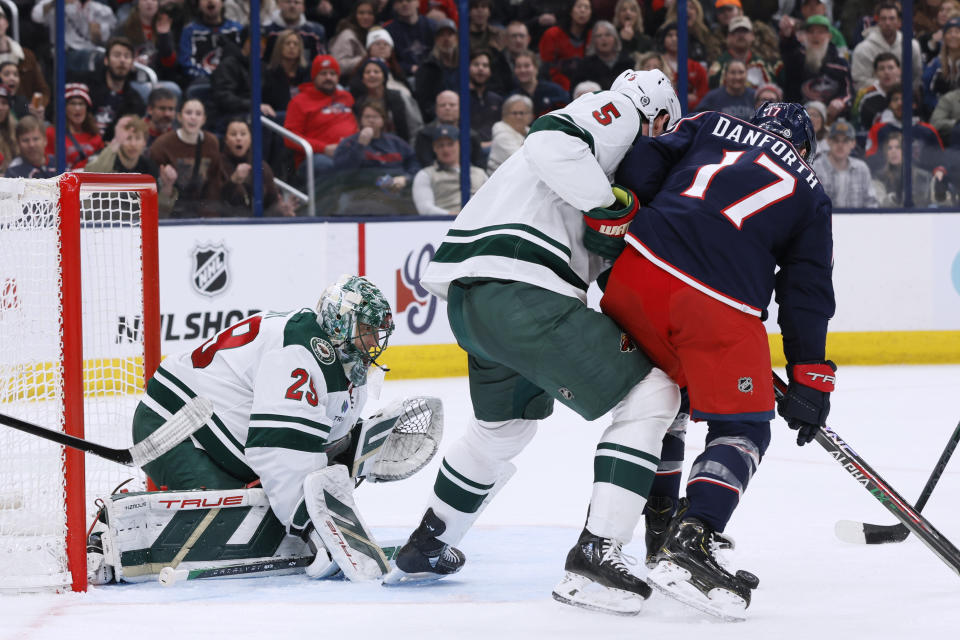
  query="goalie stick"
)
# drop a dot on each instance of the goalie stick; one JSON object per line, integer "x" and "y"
{"x": 844, "y": 454}
{"x": 866, "y": 533}
{"x": 178, "y": 428}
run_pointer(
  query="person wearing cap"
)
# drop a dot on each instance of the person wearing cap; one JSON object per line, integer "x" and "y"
{"x": 440, "y": 70}
{"x": 447, "y": 110}
{"x": 872, "y": 99}
{"x": 413, "y": 36}
{"x": 436, "y": 188}
{"x": 110, "y": 86}
{"x": 510, "y": 131}
{"x": 883, "y": 38}
{"x": 739, "y": 46}
{"x": 369, "y": 82}
{"x": 767, "y": 93}
{"x": 321, "y": 113}
{"x": 380, "y": 45}
{"x": 940, "y": 76}
{"x": 846, "y": 180}
{"x": 289, "y": 15}
{"x": 349, "y": 45}
{"x": 33, "y": 160}
{"x": 814, "y": 70}
{"x": 733, "y": 97}
{"x": 82, "y": 136}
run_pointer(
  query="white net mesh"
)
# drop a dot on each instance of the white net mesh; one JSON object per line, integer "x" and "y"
{"x": 32, "y": 486}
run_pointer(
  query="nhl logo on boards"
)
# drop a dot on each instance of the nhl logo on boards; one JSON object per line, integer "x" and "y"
{"x": 323, "y": 350}
{"x": 210, "y": 276}
{"x": 745, "y": 385}
{"x": 566, "y": 393}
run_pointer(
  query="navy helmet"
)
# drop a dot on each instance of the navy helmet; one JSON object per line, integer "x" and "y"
{"x": 788, "y": 120}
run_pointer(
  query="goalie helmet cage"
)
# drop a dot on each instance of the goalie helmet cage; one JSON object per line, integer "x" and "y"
{"x": 79, "y": 337}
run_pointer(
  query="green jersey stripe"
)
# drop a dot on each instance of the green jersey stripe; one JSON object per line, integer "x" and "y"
{"x": 621, "y": 473}
{"x": 462, "y": 478}
{"x": 164, "y": 396}
{"x": 456, "y": 496}
{"x": 509, "y": 247}
{"x": 282, "y": 438}
{"x": 467, "y": 233}
{"x": 276, "y": 417}
{"x": 564, "y": 124}
{"x": 649, "y": 457}
{"x": 300, "y": 517}
{"x": 176, "y": 381}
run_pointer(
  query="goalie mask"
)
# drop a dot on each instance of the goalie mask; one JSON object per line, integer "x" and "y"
{"x": 357, "y": 318}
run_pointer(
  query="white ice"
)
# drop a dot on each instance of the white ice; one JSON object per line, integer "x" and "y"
{"x": 812, "y": 586}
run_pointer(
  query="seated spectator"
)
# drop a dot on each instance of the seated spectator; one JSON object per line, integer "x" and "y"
{"x": 886, "y": 37}
{"x": 321, "y": 113}
{"x": 440, "y": 71}
{"x": 873, "y": 98}
{"x": 546, "y": 95}
{"x": 380, "y": 45}
{"x": 484, "y": 104}
{"x": 33, "y": 160}
{"x": 930, "y": 40}
{"x": 821, "y": 8}
{"x": 739, "y": 46}
{"x": 766, "y": 43}
{"x": 150, "y": 30}
{"x": 439, "y": 9}
{"x": 653, "y": 60}
{"x": 509, "y": 133}
{"x": 927, "y": 145}
{"x": 817, "y": 111}
{"x": 815, "y": 70}
{"x": 349, "y": 45}
{"x": 888, "y": 180}
{"x": 289, "y": 16}
{"x": 87, "y": 25}
{"x": 285, "y": 72}
{"x": 734, "y": 97}
{"x": 82, "y": 135}
{"x": 697, "y": 85}
{"x": 436, "y": 188}
{"x": 628, "y": 21}
{"x": 768, "y": 93}
{"x": 846, "y": 180}
{"x": 125, "y": 153}
{"x": 413, "y": 38}
{"x": 943, "y": 73}
{"x": 703, "y": 46}
{"x": 30, "y": 72}
{"x": 236, "y": 175}
{"x": 230, "y": 88}
{"x": 202, "y": 42}
{"x": 239, "y": 11}
{"x": 110, "y": 88}
{"x": 946, "y": 117}
{"x": 375, "y": 169}
{"x": 517, "y": 42}
{"x": 447, "y": 108}
{"x": 587, "y": 86}
{"x": 161, "y": 113}
{"x": 370, "y": 82}
{"x": 8, "y": 132}
{"x": 482, "y": 34}
{"x": 189, "y": 161}
{"x": 562, "y": 46}
{"x": 605, "y": 59}
{"x": 10, "y": 78}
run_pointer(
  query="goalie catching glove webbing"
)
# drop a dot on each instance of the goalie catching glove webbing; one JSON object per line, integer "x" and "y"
{"x": 607, "y": 226}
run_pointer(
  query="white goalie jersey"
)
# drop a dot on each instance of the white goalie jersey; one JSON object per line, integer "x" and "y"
{"x": 280, "y": 397}
{"x": 525, "y": 223}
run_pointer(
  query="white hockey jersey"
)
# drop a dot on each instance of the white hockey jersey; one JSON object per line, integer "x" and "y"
{"x": 280, "y": 397}
{"x": 526, "y": 223}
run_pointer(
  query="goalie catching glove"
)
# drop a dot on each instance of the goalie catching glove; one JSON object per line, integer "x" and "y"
{"x": 607, "y": 226}
{"x": 806, "y": 404}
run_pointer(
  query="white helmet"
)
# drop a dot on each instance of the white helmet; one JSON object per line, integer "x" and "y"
{"x": 651, "y": 92}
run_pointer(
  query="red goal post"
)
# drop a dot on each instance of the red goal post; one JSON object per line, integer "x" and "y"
{"x": 79, "y": 337}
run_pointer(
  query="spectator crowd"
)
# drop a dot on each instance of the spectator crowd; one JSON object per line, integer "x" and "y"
{"x": 373, "y": 87}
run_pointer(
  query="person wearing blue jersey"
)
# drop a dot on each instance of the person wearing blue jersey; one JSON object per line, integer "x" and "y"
{"x": 728, "y": 201}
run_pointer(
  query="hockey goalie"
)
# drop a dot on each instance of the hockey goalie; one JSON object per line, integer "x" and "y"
{"x": 270, "y": 476}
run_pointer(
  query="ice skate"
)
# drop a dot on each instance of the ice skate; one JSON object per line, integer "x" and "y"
{"x": 688, "y": 571}
{"x": 597, "y": 578}
{"x": 658, "y": 515}
{"x": 424, "y": 558}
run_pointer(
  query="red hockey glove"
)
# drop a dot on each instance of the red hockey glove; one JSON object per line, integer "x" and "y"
{"x": 807, "y": 402}
{"x": 607, "y": 226}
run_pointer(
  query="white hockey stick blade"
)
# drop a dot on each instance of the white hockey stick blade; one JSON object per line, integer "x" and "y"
{"x": 849, "y": 531}
{"x": 193, "y": 415}
{"x": 170, "y": 576}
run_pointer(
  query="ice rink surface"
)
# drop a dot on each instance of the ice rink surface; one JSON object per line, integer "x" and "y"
{"x": 811, "y": 585}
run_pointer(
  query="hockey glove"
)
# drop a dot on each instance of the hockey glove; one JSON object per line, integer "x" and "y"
{"x": 607, "y": 226}
{"x": 807, "y": 402}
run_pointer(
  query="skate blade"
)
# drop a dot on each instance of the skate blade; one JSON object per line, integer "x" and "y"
{"x": 673, "y": 581}
{"x": 579, "y": 591}
{"x": 398, "y": 577}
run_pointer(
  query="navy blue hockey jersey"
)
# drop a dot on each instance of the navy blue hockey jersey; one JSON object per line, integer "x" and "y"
{"x": 728, "y": 202}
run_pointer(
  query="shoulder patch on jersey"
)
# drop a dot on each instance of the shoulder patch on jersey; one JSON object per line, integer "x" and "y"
{"x": 304, "y": 330}
{"x": 323, "y": 350}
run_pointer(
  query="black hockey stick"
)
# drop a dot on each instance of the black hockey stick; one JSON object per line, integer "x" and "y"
{"x": 866, "y": 533}
{"x": 178, "y": 428}
{"x": 877, "y": 486}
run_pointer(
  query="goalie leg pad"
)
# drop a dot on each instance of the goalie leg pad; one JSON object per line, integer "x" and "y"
{"x": 329, "y": 499}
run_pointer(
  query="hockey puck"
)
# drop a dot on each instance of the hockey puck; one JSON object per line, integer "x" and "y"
{"x": 748, "y": 579}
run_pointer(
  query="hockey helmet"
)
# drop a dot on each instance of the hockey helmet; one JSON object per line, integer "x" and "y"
{"x": 790, "y": 121}
{"x": 357, "y": 318}
{"x": 651, "y": 93}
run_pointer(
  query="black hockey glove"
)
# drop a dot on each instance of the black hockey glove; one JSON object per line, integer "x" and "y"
{"x": 607, "y": 226}
{"x": 806, "y": 404}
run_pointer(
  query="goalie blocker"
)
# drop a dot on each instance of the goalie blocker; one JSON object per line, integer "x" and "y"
{"x": 137, "y": 535}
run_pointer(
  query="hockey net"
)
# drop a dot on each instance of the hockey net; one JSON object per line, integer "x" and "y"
{"x": 79, "y": 331}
